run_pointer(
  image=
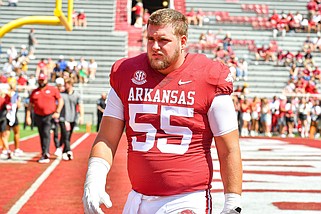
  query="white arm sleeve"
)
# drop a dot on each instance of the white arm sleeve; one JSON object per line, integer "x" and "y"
{"x": 114, "y": 106}
{"x": 222, "y": 115}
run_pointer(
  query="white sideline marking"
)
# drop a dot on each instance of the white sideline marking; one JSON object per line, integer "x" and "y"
{"x": 26, "y": 196}
{"x": 24, "y": 138}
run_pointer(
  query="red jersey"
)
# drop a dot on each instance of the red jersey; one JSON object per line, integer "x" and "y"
{"x": 44, "y": 100}
{"x": 3, "y": 79}
{"x": 41, "y": 65}
{"x": 81, "y": 16}
{"x": 167, "y": 128}
{"x": 312, "y": 5}
{"x": 22, "y": 81}
{"x": 3, "y": 110}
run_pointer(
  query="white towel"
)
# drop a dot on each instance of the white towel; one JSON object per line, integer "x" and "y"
{"x": 11, "y": 114}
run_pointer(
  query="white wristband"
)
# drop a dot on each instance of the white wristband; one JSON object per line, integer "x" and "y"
{"x": 97, "y": 171}
{"x": 232, "y": 200}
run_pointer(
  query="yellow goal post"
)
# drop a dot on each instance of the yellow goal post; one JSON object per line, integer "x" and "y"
{"x": 58, "y": 18}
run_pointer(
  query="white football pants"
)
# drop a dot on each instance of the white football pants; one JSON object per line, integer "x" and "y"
{"x": 198, "y": 202}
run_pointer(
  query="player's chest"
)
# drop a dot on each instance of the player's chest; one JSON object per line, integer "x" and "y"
{"x": 170, "y": 90}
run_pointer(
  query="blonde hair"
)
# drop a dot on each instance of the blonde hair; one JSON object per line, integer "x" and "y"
{"x": 170, "y": 17}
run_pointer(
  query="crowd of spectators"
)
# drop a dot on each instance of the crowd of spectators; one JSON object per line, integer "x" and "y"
{"x": 195, "y": 17}
{"x": 222, "y": 50}
{"x": 288, "y": 22}
{"x": 282, "y": 116}
{"x": 17, "y": 69}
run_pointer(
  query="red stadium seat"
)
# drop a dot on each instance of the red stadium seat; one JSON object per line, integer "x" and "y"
{"x": 250, "y": 7}
{"x": 255, "y": 25}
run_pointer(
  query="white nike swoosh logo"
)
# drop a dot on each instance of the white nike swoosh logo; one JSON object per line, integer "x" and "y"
{"x": 180, "y": 82}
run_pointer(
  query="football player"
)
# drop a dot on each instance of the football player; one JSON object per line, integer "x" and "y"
{"x": 172, "y": 104}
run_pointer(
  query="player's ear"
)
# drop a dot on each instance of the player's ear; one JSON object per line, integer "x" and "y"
{"x": 183, "y": 41}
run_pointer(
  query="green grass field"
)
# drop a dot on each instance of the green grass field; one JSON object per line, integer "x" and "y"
{"x": 27, "y": 132}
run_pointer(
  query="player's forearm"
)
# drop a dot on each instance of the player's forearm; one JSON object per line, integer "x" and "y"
{"x": 100, "y": 149}
{"x": 231, "y": 172}
{"x": 108, "y": 137}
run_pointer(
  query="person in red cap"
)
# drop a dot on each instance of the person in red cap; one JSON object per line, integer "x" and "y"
{"x": 44, "y": 101}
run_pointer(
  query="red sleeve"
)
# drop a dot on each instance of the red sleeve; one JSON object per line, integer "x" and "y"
{"x": 221, "y": 77}
{"x": 57, "y": 93}
{"x": 7, "y": 99}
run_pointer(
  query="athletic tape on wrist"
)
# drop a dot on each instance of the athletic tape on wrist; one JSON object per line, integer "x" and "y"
{"x": 97, "y": 171}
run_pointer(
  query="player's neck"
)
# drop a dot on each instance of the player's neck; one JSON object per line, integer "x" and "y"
{"x": 179, "y": 62}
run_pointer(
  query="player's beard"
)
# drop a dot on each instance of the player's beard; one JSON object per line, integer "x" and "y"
{"x": 42, "y": 85}
{"x": 167, "y": 61}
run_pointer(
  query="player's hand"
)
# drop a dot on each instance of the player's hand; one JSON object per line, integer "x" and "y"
{"x": 56, "y": 115}
{"x": 232, "y": 204}
{"x": 81, "y": 120}
{"x": 28, "y": 121}
{"x": 94, "y": 189}
{"x": 94, "y": 196}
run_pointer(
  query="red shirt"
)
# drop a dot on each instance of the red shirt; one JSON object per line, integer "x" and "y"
{"x": 299, "y": 56}
{"x": 312, "y": 5}
{"x": 44, "y": 100}
{"x": 191, "y": 13}
{"x": 311, "y": 88}
{"x": 22, "y": 81}
{"x": 175, "y": 156}
{"x": 316, "y": 72}
{"x": 145, "y": 17}
{"x": 81, "y": 16}
{"x": 41, "y": 65}
{"x": 138, "y": 10}
{"x": 275, "y": 17}
{"x": 3, "y": 104}
{"x": 3, "y": 79}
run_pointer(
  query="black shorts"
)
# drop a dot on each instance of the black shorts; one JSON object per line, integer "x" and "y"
{"x": 303, "y": 116}
{"x": 3, "y": 125}
{"x": 289, "y": 119}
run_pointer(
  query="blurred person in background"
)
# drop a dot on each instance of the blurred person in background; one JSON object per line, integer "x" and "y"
{"x": 82, "y": 19}
{"x": 43, "y": 100}
{"x": 255, "y": 116}
{"x": 32, "y": 42}
{"x": 13, "y": 103}
{"x": 12, "y": 3}
{"x": 60, "y": 84}
{"x": 282, "y": 120}
{"x": 68, "y": 117}
{"x": 92, "y": 69}
{"x": 246, "y": 117}
{"x": 101, "y": 105}
{"x": 315, "y": 127}
{"x": 265, "y": 117}
{"x": 290, "y": 116}
{"x": 138, "y": 11}
{"x": 4, "y": 146}
{"x": 303, "y": 115}
{"x": 275, "y": 112}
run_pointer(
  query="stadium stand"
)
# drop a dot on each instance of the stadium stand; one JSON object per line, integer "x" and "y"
{"x": 98, "y": 41}
{"x": 264, "y": 78}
